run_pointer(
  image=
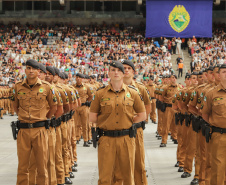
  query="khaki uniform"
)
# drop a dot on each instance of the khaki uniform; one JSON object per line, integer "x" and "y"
{"x": 151, "y": 89}
{"x": 11, "y": 109}
{"x": 140, "y": 171}
{"x": 83, "y": 111}
{"x": 214, "y": 106}
{"x": 61, "y": 141}
{"x": 169, "y": 117}
{"x": 32, "y": 103}
{"x": 115, "y": 112}
{"x": 200, "y": 159}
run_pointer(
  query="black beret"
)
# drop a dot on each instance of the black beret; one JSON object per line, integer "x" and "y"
{"x": 42, "y": 67}
{"x": 200, "y": 73}
{"x": 223, "y": 66}
{"x": 65, "y": 74}
{"x": 152, "y": 78}
{"x": 57, "y": 71}
{"x": 80, "y": 75}
{"x": 188, "y": 75}
{"x": 211, "y": 68}
{"x": 217, "y": 66}
{"x": 92, "y": 76}
{"x": 194, "y": 73}
{"x": 87, "y": 77}
{"x": 62, "y": 76}
{"x": 51, "y": 70}
{"x": 173, "y": 75}
{"x": 33, "y": 63}
{"x": 118, "y": 65}
{"x": 129, "y": 63}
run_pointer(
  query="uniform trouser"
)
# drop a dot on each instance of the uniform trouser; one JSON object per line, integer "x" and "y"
{"x": 73, "y": 139}
{"x": 11, "y": 109}
{"x": 82, "y": 116}
{"x": 202, "y": 151}
{"x": 69, "y": 134}
{"x": 52, "y": 156}
{"x": 168, "y": 119}
{"x": 59, "y": 159}
{"x": 218, "y": 159}
{"x": 159, "y": 127}
{"x": 51, "y": 160}
{"x": 113, "y": 151}
{"x": 139, "y": 170}
{"x": 182, "y": 144}
{"x": 201, "y": 147}
{"x": 36, "y": 140}
{"x": 197, "y": 157}
{"x": 153, "y": 111}
{"x": 208, "y": 164}
{"x": 2, "y": 106}
{"x": 65, "y": 152}
{"x": 190, "y": 149}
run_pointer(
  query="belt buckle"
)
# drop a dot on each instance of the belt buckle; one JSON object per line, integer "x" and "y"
{"x": 30, "y": 125}
{"x": 221, "y": 131}
{"x": 116, "y": 133}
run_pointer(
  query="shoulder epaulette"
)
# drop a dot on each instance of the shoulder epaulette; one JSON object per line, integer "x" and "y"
{"x": 45, "y": 82}
{"x": 130, "y": 86}
{"x": 101, "y": 87}
{"x": 140, "y": 83}
{"x": 18, "y": 82}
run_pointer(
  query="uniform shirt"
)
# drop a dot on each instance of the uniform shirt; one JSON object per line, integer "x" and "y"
{"x": 32, "y": 101}
{"x": 168, "y": 92}
{"x": 143, "y": 92}
{"x": 204, "y": 90}
{"x": 63, "y": 94}
{"x": 116, "y": 109}
{"x": 84, "y": 92}
{"x": 195, "y": 99}
{"x": 70, "y": 93}
{"x": 215, "y": 106}
{"x": 151, "y": 89}
{"x": 187, "y": 95}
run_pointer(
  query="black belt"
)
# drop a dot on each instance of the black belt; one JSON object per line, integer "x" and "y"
{"x": 117, "y": 133}
{"x": 153, "y": 98}
{"x": 139, "y": 125}
{"x": 32, "y": 125}
{"x": 83, "y": 104}
{"x": 217, "y": 129}
{"x": 168, "y": 105}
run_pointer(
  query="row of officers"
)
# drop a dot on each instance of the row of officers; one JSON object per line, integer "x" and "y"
{"x": 195, "y": 117}
{"x": 53, "y": 116}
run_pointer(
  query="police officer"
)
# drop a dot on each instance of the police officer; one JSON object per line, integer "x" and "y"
{"x": 169, "y": 118}
{"x": 113, "y": 110}
{"x": 30, "y": 103}
{"x": 82, "y": 112}
{"x": 151, "y": 88}
{"x": 214, "y": 113}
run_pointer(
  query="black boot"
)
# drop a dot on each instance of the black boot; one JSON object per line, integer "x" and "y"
{"x": 86, "y": 144}
{"x": 177, "y": 164}
{"x": 71, "y": 175}
{"x": 74, "y": 169}
{"x": 185, "y": 175}
{"x": 90, "y": 142}
{"x": 195, "y": 182}
{"x": 162, "y": 145}
{"x": 77, "y": 142}
{"x": 175, "y": 141}
{"x": 181, "y": 169}
{"x": 75, "y": 164}
{"x": 68, "y": 180}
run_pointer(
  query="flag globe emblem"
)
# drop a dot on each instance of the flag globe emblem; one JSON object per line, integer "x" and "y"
{"x": 179, "y": 18}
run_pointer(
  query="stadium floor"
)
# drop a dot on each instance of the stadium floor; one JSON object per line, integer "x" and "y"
{"x": 159, "y": 161}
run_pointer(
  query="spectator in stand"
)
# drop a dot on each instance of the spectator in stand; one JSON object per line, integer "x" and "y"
{"x": 180, "y": 68}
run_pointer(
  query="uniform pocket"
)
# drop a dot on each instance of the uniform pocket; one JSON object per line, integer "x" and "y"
{"x": 23, "y": 100}
{"x": 106, "y": 107}
{"x": 219, "y": 107}
{"x": 128, "y": 105}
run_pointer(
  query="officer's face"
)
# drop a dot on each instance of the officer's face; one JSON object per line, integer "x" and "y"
{"x": 115, "y": 74}
{"x": 216, "y": 74}
{"x": 194, "y": 80}
{"x": 223, "y": 75}
{"x": 41, "y": 75}
{"x": 31, "y": 72}
{"x": 173, "y": 79}
{"x": 210, "y": 76}
{"x": 200, "y": 79}
{"x": 187, "y": 81}
{"x": 205, "y": 76}
{"x": 78, "y": 79}
{"x": 49, "y": 77}
{"x": 55, "y": 79}
{"x": 128, "y": 71}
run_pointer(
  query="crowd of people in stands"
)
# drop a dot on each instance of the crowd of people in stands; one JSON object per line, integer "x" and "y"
{"x": 90, "y": 49}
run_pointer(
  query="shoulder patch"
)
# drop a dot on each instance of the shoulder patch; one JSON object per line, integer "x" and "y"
{"x": 130, "y": 86}
{"x": 101, "y": 87}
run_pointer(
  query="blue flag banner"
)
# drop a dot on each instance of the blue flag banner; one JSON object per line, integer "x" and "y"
{"x": 179, "y": 18}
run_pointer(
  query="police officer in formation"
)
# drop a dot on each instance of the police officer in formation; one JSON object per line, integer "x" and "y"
{"x": 54, "y": 115}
